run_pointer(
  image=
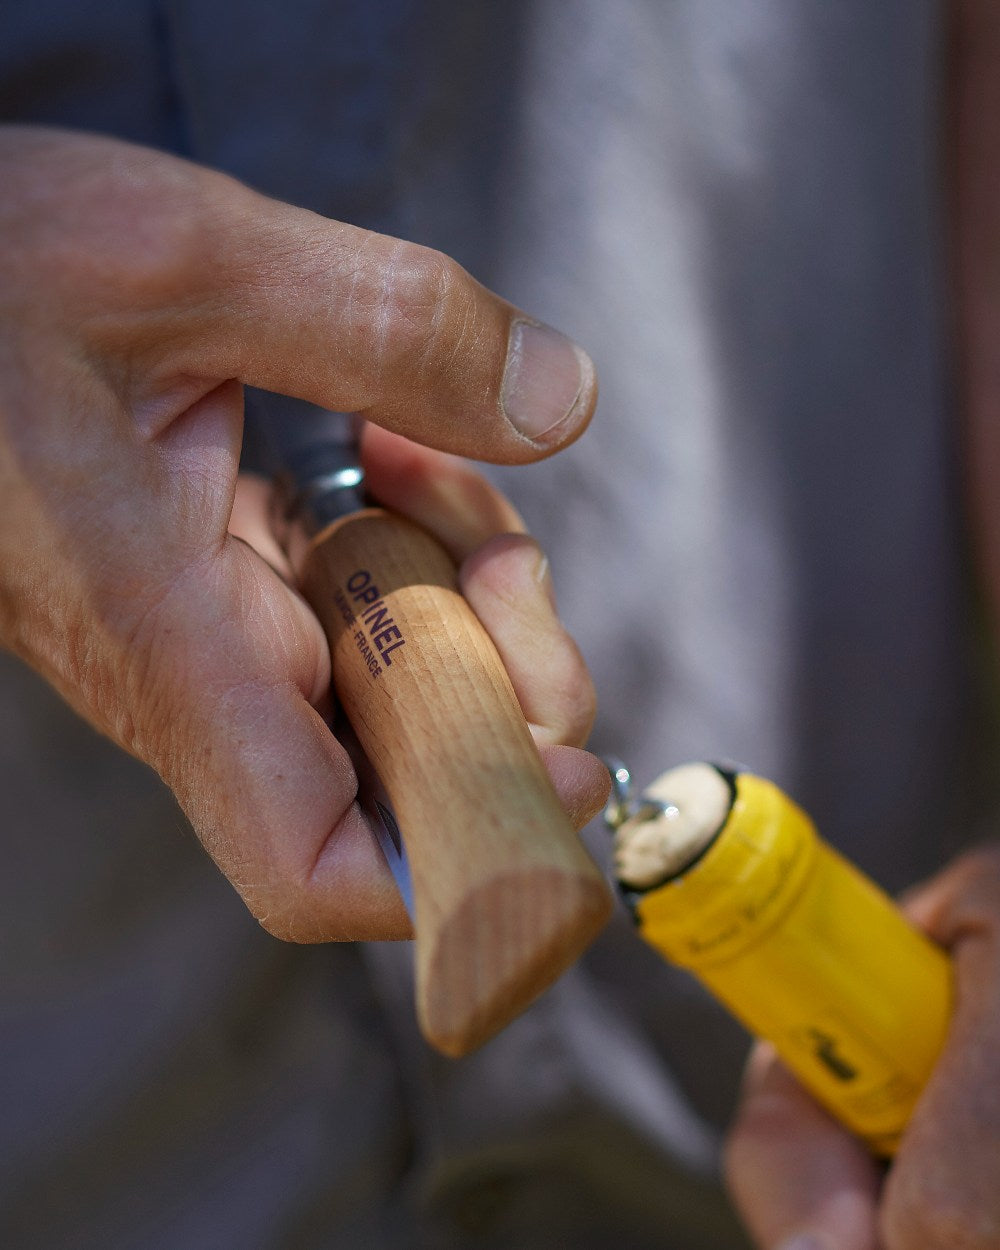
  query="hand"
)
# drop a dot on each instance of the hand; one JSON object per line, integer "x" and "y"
{"x": 137, "y": 293}
{"x": 795, "y": 1173}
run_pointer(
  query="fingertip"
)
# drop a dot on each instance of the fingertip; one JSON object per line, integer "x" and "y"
{"x": 549, "y": 389}
{"x": 349, "y": 895}
{"x": 512, "y": 568}
{"x": 352, "y": 872}
{"x": 581, "y": 780}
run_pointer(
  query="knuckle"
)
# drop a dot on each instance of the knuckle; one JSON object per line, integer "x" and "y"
{"x": 283, "y": 917}
{"x": 422, "y": 307}
{"x": 286, "y": 901}
{"x": 573, "y": 693}
{"x": 265, "y": 872}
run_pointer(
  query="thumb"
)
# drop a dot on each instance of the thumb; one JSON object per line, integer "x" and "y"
{"x": 799, "y": 1180}
{"x": 236, "y": 285}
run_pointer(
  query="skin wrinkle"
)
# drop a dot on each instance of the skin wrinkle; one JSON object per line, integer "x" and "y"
{"x": 154, "y": 415}
{"x": 383, "y": 322}
{"x": 121, "y": 416}
{"x": 235, "y": 711}
{"x": 500, "y": 583}
{"x": 417, "y": 303}
{"x": 140, "y": 646}
{"x": 275, "y": 614}
{"x": 445, "y": 297}
{"x": 84, "y": 626}
{"x": 127, "y": 357}
{"x": 349, "y": 337}
{"x": 307, "y": 653}
{"x": 254, "y": 602}
{"x": 314, "y": 877}
{"x": 110, "y": 608}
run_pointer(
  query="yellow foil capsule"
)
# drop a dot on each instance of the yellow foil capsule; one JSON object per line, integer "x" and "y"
{"x": 803, "y": 948}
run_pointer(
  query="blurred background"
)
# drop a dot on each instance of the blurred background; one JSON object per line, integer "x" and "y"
{"x": 736, "y": 209}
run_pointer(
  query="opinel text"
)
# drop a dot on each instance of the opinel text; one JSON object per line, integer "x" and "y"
{"x": 377, "y": 635}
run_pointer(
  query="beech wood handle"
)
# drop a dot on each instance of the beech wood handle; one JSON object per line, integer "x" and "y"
{"x": 505, "y": 895}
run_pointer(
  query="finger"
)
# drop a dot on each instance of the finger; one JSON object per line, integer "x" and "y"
{"x": 220, "y": 674}
{"x": 230, "y": 284}
{"x": 799, "y": 1180}
{"x": 505, "y": 577}
{"x": 443, "y": 493}
{"x": 959, "y": 899}
{"x": 581, "y": 780}
{"x": 942, "y": 1190}
{"x": 509, "y": 586}
{"x": 251, "y": 522}
{"x": 400, "y": 333}
{"x": 454, "y": 501}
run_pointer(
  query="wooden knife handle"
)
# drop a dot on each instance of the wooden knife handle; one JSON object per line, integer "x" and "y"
{"x": 505, "y": 896}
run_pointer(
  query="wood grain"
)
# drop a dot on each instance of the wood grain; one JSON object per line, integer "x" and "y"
{"x": 505, "y": 895}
